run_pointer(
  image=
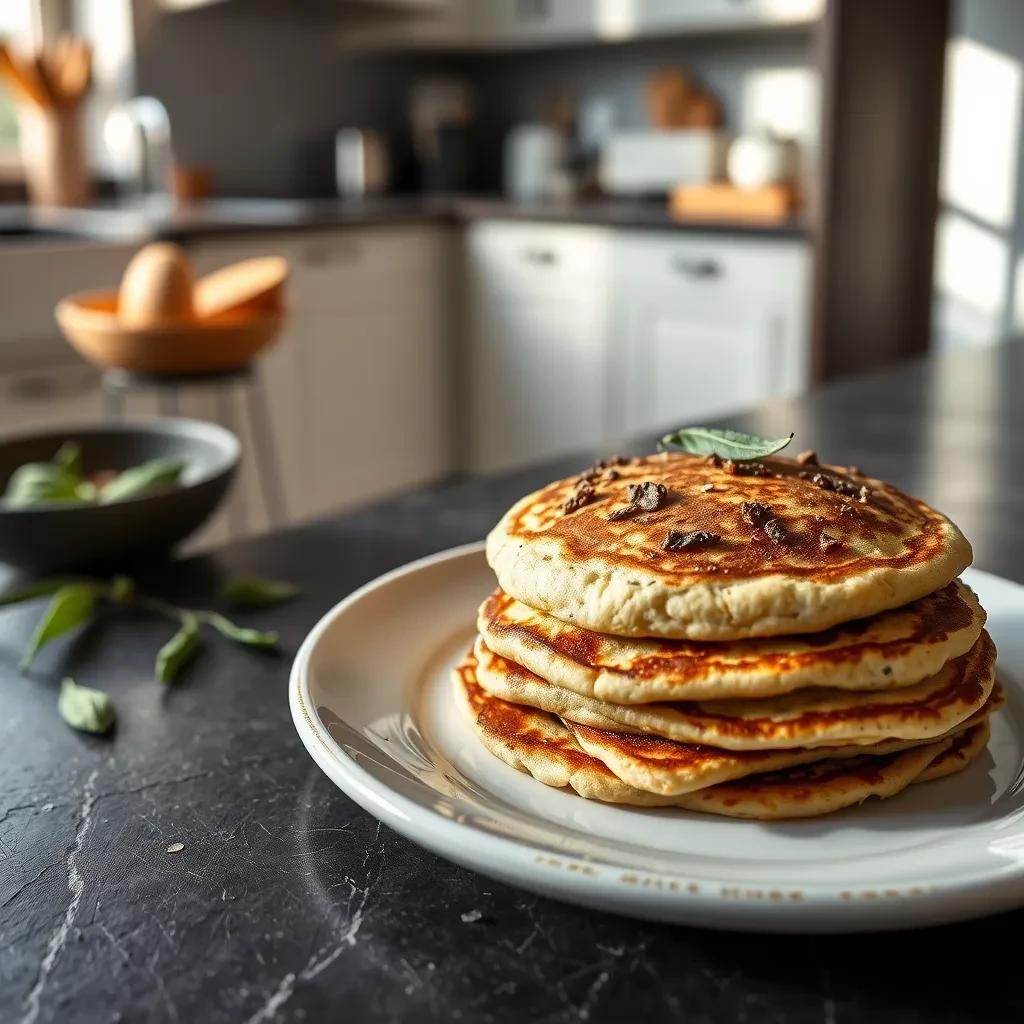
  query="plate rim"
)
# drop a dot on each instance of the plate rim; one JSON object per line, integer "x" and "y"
{"x": 717, "y": 903}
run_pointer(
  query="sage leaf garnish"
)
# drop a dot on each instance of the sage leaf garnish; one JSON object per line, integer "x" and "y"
{"x": 36, "y": 483}
{"x": 726, "y": 444}
{"x": 70, "y": 606}
{"x": 255, "y": 592}
{"x": 84, "y": 708}
{"x": 179, "y": 650}
{"x": 69, "y": 458}
{"x": 41, "y": 588}
{"x": 240, "y": 634}
{"x": 135, "y": 481}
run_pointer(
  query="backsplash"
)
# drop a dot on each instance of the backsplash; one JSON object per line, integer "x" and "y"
{"x": 266, "y": 118}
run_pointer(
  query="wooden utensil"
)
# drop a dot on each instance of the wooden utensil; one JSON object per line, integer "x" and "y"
{"x": 22, "y": 78}
{"x": 726, "y": 202}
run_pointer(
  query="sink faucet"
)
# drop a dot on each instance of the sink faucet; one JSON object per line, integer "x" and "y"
{"x": 138, "y": 136}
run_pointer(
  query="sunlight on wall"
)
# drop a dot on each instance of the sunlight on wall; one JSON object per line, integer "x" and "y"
{"x": 616, "y": 19}
{"x": 972, "y": 265}
{"x": 981, "y": 128}
{"x": 781, "y": 100}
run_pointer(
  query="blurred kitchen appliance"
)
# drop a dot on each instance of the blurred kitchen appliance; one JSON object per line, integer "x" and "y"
{"x": 138, "y": 137}
{"x": 646, "y": 162}
{"x": 758, "y": 160}
{"x": 361, "y": 165}
{"x": 441, "y": 111}
{"x": 535, "y": 157}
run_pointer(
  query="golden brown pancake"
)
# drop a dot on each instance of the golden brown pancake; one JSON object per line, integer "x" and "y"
{"x": 890, "y": 650}
{"x": 539, "y": 744}
{"x": 796, "y": 550}
{"x": 808, "y": 718}
{"x": 961, "y": 752}
{"x": 663, "y": 766}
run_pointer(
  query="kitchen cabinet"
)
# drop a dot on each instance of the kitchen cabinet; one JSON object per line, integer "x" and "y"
{"x": 507, "y": 24}
{"x": 359, "y": 387}
{"x": 537, "y": 341}
{"x": 705, "y": 325}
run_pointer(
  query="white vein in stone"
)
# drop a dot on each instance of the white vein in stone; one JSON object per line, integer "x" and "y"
{"x": 76, "y": 885}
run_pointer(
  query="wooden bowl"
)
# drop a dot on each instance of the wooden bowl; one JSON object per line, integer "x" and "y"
{"x": 90, "y": 324}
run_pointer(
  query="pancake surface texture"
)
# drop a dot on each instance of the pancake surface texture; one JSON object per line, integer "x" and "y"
{"x": 803, "y": 719}
{"x": 535, "y": 742}
{"x": 890, "y": 650}
{"x": 840, "y": 547}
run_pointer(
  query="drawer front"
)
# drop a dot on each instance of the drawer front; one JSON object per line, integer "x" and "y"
{"x": 712, "y": 268}
{"x": 533, "y": 257}
{"x": 341, "y": 270}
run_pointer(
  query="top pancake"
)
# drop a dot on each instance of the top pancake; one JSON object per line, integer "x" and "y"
{"x": 831, "y": 556}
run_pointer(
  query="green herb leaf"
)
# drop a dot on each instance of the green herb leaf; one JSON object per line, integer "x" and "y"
{"x": 69, "y": 458}
{"x": 41, "y": 588}
{"x": 240, "y": 634}
{"x": 254, "y": 592}
{"x": 139, "y": 479}
{"x": 42, "y": 483}
{"x": 727, "y": 444}
{"x": 122, "y": 589}
{"x": 71, "y": 606}
{"x": 179, "y": 650}
{"x": 84, "y": 708}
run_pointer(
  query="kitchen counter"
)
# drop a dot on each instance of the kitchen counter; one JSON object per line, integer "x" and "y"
{"x": 288, "y": 902}
{"x": 139, "y": 223}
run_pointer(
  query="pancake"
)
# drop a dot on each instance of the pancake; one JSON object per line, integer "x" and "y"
{"x": 539, "y": 744}
{"x": 964, "y": 749}
{"x": 657, "y": 765}
{"x": 803, "y": 556}
{"x": 890, "y": 650}
{"x": 808, "y": 718}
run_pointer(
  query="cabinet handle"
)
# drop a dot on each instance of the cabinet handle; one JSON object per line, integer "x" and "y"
{"x": 318, "y": 254}
{"x": 703, "y": 269}
{"x": 541, "y": 257}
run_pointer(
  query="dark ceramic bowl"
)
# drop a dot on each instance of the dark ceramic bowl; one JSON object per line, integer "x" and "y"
{"x": 61, "y": 538}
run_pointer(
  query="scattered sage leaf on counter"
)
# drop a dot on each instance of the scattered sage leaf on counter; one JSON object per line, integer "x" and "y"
{"x": 41, "y": 588}
{"x": 179, "y": 650}
{"x": 727, "y": 444}
{"x": 255, "y": 592}
{"x": 84, "y": 708}
{"x": 145, "y": 477}
{"x": 69, "y": 607}
{"x": 240, "y": 634}
{"x": 122, "y": 589}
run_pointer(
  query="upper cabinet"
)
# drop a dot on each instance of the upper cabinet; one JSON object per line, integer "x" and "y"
{"x": 507, "y": 24}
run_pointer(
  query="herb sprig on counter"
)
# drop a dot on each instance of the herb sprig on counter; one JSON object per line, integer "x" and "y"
{"x": 74, "y": 600}
{"x": 726, "y": 444}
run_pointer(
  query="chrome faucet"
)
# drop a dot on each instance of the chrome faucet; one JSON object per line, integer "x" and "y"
{"x": 138, "y": 136}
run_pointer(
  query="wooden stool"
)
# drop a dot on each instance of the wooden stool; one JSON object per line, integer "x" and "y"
{"x": 117, "y": 384}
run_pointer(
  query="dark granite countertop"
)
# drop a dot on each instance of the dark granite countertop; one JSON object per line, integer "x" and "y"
{"x": 288, "y": 902}
{"x": 136, "y": 224}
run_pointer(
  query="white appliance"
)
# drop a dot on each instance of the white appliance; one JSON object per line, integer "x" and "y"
{"x": 535, "y": 157}
{"x": 637, "y": 163}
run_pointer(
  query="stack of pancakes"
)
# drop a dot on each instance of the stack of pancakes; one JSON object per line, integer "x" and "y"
{"x": 762, "y": 639}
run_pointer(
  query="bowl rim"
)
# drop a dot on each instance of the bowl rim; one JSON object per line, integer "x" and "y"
{"x": 106, "y": 321}
{"x": 226, "y": 443}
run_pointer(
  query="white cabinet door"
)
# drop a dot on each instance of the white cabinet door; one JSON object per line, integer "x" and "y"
{"x": 537, "y": 342}
{"x": 360, "y": 384}
{"x": 654, "y": 16}
{"x": 706, "y": 326}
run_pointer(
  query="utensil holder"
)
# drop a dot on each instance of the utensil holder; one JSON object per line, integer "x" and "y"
{"x": 53, "y": 155}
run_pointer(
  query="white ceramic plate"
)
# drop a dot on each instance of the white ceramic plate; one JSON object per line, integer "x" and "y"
{"x": 371, "y": 699}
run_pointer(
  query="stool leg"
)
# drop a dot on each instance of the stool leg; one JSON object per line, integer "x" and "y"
{"x": 113, "y": 403}
{"x": 237, "y": 519}
{"x": 265, "y": 453}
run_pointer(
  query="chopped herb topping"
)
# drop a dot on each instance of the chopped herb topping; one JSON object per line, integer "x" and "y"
{"x": 678, "y": 540}
{"x": 755, "y": 513}
{"x": 645, "y": 497}
{"x": 582, "y": 495}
